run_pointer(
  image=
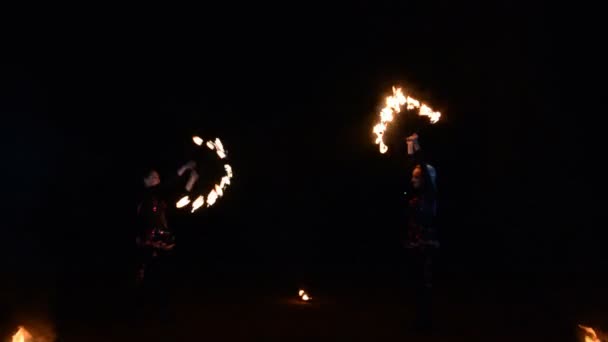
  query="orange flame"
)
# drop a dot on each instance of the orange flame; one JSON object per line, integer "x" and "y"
{"x": 198, "y": 203}
{"x": 393, "y": 107}
{"x": 590, "y": 336}
{"x": 22, "y": 335}
{"x": 304, "y": 296}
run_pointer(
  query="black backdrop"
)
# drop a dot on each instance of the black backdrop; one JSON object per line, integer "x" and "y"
{"x": 295, "y": 103}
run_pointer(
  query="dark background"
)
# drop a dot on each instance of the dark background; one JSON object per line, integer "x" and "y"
{"x": 294, "y": 99}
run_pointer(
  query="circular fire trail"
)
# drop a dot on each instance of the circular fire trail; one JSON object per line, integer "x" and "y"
{"x": 217, "y": 190}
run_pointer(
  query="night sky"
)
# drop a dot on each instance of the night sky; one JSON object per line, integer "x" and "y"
{"x": 294, "y": 99}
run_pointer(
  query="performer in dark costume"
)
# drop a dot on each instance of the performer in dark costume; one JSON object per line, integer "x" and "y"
{"x": 421, "y": 241}
{"x": 154, "y": 238}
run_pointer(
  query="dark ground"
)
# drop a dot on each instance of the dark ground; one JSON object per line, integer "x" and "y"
{"x": 522, "y": 207}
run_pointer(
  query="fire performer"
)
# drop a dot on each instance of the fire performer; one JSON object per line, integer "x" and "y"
{"x": 421, "y": 241}
{"x": 154, "y": 238}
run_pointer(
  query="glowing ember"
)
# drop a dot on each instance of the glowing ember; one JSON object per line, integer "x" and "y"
{"x": 220, "y": 148}
{"x": 393, "y": 107}
{"x": 210, "y": 145}
{"x": 219, "y": 191}
{"x": 198, "y": 203}
{"x": 590, "y": 335}
{"x": 304, "y": 296}
{"x": 211, "y": 198}
{"x": 197, "y": 140}
{"x": 22, "y": 335}
{"x": 183, "y": 202}
{"x": 228, "y": 169}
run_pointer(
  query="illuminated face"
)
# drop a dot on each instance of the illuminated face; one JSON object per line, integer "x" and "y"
{"x": 417, "y": 177}
{"x": 153, "y": 179}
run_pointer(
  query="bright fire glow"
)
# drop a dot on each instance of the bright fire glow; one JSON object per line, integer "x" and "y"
{"x": 590, "y": 336}
{"x": 305, "y": 297}
{"x": 183, "y": 202}
{"x": 393, "y": 107}
{"x": 301, "y": 293}
{"x": 218, "y": 189}
{"x": 198, "y": 203}
{"x": 22, "y": 335}
{"x": 197, "y": 140}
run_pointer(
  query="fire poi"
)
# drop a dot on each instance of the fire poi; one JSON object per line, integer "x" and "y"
{"x": 217, "y": 190}
{"x": 393, "y": 107}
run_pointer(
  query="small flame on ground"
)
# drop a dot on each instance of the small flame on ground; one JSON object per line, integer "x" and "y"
{"x": 197, "y": 140}
{"x": 304, "y": 296}
{"x": 393, "y": 107}
{"x": 22, "y": 335}
{"x": 590, "y": 336}
{"x": 198, "y": 203}
{"x": 183, "y": 202}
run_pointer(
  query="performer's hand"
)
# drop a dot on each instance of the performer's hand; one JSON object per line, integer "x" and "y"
{"x": 412, "y": 138}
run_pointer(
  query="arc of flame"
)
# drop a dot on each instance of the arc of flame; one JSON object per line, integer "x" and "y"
{"x": 183, "y": 202}
{"x": 393, "y": 107}
{"x": 218, "y": 189}
{"x": 21, "y": 335}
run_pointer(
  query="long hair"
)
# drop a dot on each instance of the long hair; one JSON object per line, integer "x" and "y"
{"x": 429, "y": 181}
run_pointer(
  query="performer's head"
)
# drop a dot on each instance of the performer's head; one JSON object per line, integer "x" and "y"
{"x": 417, "y": 177}
{"x": 151, "y": 178}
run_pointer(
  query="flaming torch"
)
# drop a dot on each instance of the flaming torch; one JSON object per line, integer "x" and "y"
{"x": 22, "y": 335}
{"x": 393, "y": 107}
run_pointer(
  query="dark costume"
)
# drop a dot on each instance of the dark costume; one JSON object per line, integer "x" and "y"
{"x": 152, "y": 223}
{"x": 421, "y": 242}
